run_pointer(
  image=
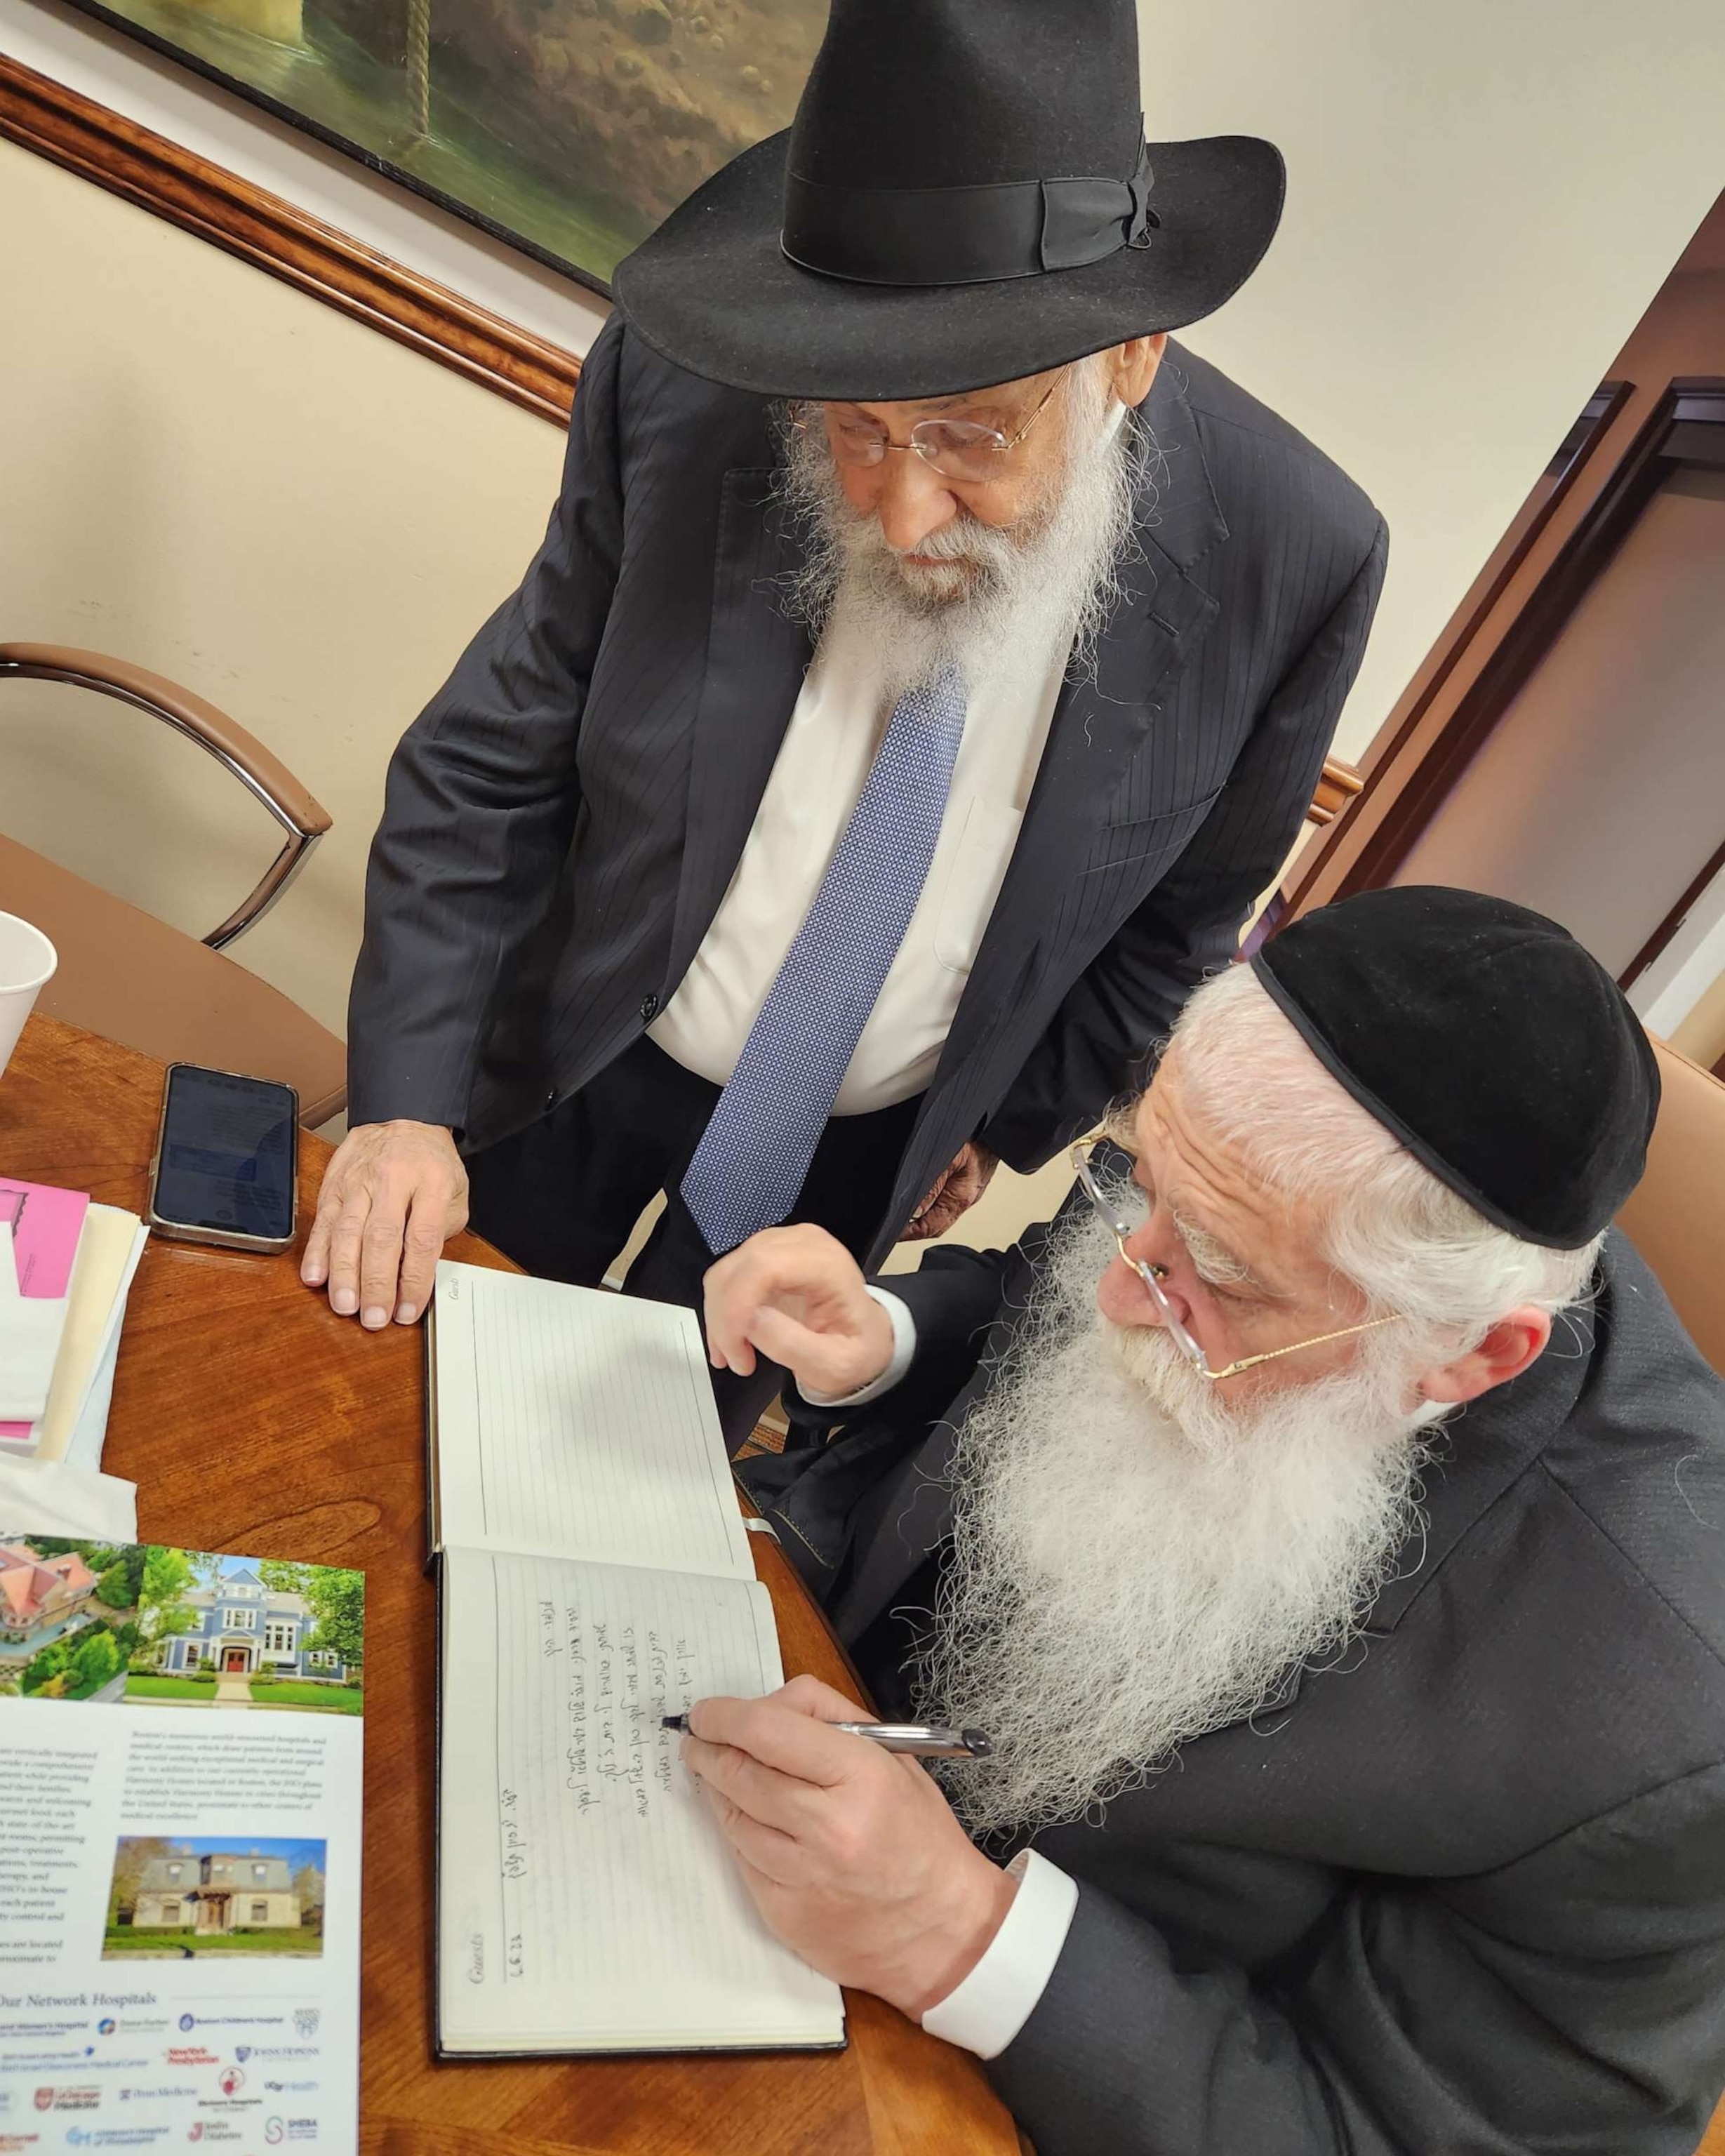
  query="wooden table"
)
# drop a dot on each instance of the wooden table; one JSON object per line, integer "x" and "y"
{"x": 254, "y": 1421}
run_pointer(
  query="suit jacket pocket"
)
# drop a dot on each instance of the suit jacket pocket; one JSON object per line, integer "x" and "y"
{"x": 1119, "y": 845}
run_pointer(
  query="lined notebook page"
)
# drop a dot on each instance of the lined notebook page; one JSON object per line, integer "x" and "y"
{"x": 580, "y": 1423}
{"x": 588, "y": 1900}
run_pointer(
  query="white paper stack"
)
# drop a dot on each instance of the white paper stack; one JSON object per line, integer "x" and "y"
{"x": 82, "y": 1347}
{"x": 66, "y": 1268}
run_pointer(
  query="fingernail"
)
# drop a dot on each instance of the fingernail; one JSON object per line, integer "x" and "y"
{"x": 344, "y": 1302}
{"x": 375, "y": 1316}
{"x": 311, "y": 1273}
{"x": 405, "y": 1313}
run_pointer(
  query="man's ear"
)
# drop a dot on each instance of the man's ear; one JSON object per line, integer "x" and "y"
{"x": 1132, "y": 367}
{"x": 1507, "y": 1350}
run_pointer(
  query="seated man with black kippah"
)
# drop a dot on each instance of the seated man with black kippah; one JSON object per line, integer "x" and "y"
{"x": 1340, "y": 1582}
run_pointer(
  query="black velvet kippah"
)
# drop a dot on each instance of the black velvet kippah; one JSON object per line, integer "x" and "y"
{"x": 1500, "y": 1052}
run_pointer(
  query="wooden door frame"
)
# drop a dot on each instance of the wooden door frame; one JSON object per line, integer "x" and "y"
{"x": 1499, "y": 636}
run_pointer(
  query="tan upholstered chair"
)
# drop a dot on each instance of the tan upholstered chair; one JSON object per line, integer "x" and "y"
{"x": 1676, "y": 1219}
{"x": 132, "y": 978}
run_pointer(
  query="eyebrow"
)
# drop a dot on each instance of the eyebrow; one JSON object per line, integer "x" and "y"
{"x": 974, "y": 400}
{"x": 1212, "y": 1258}
{"x": 1210, "y": 1251}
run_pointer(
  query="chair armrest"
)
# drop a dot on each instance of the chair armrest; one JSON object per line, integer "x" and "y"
{"x": 267, "y": 777}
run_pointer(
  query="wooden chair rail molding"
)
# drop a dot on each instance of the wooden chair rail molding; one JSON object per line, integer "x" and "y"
{"x": 260, "y": 228}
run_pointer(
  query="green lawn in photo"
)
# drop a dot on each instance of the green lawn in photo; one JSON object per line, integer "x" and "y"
{"x": 148, "y": 1687}
{"x": 322, "y": 1698}
{"x": 287, "y": 1691}
{"x": 122, "y": 1938}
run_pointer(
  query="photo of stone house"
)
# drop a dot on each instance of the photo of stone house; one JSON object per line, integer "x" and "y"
{"x": 215, "y": 1897}
{"x": 228, "y": 1891}
{"x": 243, "y": 1627}
{"x": 42, "y": 1600}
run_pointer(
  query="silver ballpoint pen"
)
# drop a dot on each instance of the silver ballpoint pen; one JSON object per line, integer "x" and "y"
{"x": 921, "y": 1740}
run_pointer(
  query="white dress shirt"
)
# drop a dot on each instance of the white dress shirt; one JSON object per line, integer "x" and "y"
{"x": 822, "y": 765}
{"x": 987, "y": 2009}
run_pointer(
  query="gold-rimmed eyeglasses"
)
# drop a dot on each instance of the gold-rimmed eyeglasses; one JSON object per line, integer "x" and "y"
{"x": 1109, "y": 1208}
{"x": 967, "y": 449}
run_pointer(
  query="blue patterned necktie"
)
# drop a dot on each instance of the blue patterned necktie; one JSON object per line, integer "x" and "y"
{"x": 754, "y": 1154}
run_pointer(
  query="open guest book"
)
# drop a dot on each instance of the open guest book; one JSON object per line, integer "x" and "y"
{"x": 594, "y": 1576}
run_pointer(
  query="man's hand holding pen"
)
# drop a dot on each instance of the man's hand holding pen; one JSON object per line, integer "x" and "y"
{"x": 853, "y": 1855}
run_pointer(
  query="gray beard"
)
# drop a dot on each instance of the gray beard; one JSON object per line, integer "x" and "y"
{"x": 1134, "y": 1564}
{"x": 1012, "y": 598}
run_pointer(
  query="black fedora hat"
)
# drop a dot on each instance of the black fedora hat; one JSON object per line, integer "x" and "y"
{"x": 964, "y": 197}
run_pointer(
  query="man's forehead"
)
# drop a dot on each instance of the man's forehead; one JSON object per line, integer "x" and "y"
{"x": 1199, "y": 1164}
{"x": 989, "y": 395}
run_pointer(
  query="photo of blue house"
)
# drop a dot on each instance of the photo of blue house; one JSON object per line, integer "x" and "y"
{"x": 245, "y": 1628}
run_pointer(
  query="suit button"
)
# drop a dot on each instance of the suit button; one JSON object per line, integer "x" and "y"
{"x": 649, "y": 1009}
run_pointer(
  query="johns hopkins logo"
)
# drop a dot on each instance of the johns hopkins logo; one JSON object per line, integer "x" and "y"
{"x": 306, "y": 2020}
{"x": 241, "y": 2052}
{"x": 188, "y": 2020}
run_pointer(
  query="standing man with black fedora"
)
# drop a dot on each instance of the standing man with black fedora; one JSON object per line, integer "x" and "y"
{"x": 925, "y": 669}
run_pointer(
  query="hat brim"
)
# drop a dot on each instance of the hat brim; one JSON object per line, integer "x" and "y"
{"x": 712, "y": 290}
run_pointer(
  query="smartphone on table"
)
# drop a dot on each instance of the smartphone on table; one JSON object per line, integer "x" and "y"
{"x": 227, "y": 1158}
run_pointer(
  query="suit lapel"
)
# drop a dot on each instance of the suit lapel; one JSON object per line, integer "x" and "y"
{"x": 901, "y": 1521}
{"x": 755, "y": 659}
{"x": 1100, "y": 726}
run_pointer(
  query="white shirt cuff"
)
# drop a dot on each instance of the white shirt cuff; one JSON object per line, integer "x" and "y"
{"x": 985, "y": 2012}
{"x": 904, "y": 1350}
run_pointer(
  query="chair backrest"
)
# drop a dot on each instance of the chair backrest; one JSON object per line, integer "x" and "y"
{"x": 1676, "y": 1217}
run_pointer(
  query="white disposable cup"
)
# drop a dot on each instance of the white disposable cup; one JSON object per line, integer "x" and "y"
{"x": 27, "y": 962}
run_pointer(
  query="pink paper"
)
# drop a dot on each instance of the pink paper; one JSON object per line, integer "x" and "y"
{"x": 46, "y": 1223}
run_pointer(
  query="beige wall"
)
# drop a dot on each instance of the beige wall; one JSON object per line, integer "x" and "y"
{"x": 213, "y": 474}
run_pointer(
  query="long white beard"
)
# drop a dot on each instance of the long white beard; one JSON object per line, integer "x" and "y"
{"x": 1012, "y": 596}
{"x": 1134, "y": 1564}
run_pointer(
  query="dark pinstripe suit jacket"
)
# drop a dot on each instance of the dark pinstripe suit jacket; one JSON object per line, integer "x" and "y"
{"x": 563, "y": 819}
{"x": 1462, "y": 1891}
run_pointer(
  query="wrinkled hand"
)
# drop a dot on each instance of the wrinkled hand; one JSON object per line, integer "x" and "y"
{"x": 957, "y": 1190}
{"x": 854, "y": 1857}
{"x": 393, "y": 1195}
{"x": 796, "y": 1295}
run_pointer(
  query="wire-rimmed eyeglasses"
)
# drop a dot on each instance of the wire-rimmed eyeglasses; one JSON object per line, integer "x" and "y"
{"x": 1108, "y": 1210}
{"x": 968, "y": 449}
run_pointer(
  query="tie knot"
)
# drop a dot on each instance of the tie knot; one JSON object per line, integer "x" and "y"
{"x": 941, "y": 698}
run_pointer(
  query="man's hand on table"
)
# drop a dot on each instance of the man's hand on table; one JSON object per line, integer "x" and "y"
{"x": 393, "y": 1195}
{"x": 797, "y": 1295}
{"x": 855, "y": 1859}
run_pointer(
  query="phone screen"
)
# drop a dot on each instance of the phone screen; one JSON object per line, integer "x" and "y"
{"x": 227, "y": 1153}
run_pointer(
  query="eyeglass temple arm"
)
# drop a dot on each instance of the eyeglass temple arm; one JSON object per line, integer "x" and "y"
{"x": 1321, "y": 1339}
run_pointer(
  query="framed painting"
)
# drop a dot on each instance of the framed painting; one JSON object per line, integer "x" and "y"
{"x": 568, "y": 128}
